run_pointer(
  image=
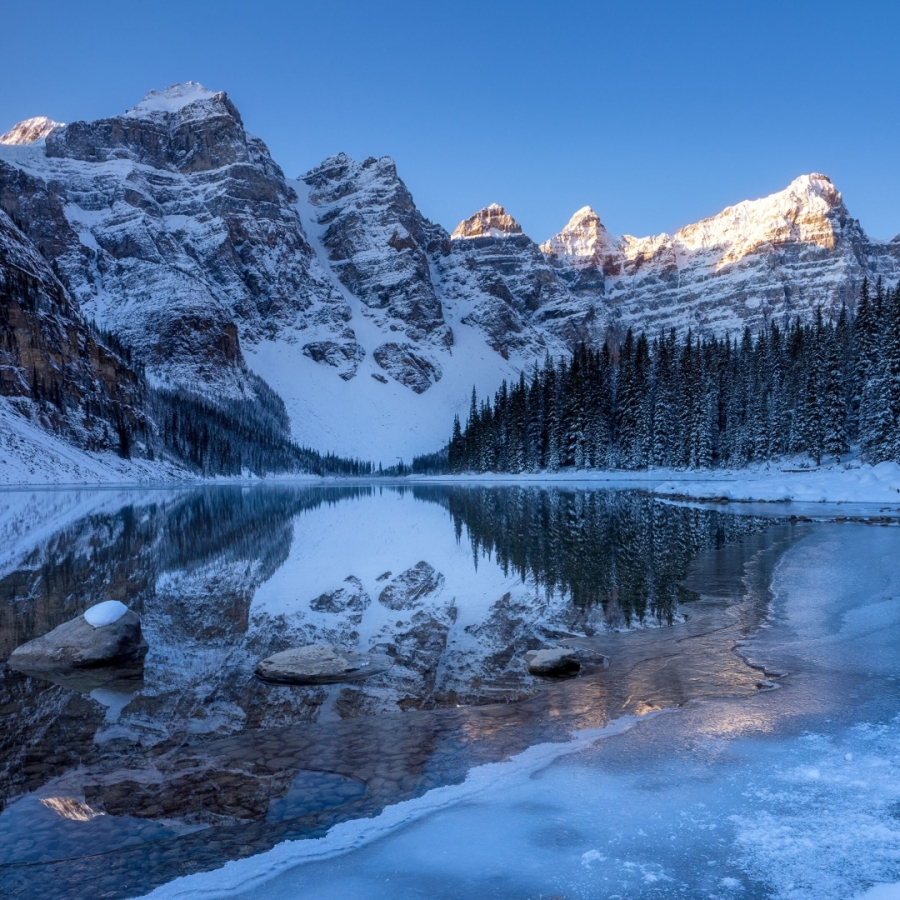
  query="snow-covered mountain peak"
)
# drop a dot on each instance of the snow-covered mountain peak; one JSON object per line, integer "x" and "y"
{"x": 172, "y": 99}
{"x": 584, "y": 243}
{"x": 492, "y": 221}
{"x": 30, "y": 130}
{"x": 801, "y": 213}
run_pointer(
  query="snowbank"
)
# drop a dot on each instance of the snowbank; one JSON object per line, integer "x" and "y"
{"x": 862, "y": 484}
{"x": 852, "y": 483}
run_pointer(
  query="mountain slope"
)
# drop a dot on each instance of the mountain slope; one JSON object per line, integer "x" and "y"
{"x": 174, "y": 229}
{"x": 53, "y": 370}
{"x": 783, "y": 255}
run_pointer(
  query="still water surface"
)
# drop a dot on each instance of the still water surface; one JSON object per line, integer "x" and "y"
{"x": 115, "y": 783}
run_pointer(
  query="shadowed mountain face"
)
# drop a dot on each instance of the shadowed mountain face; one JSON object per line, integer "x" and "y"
{"x": 53, "y": 368}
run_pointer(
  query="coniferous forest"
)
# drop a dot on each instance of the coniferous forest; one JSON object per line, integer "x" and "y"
{"x": 232, "y": 437}
{"x": 813, "y": 390}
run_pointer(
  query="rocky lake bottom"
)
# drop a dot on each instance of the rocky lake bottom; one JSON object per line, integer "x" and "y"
{"x": 741, "y": 741}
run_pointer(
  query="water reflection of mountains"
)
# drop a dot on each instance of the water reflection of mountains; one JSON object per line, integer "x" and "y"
{"x": 120, "y": 554}
{"x": 622, "y": 550}
{"x": 203, "y": 744}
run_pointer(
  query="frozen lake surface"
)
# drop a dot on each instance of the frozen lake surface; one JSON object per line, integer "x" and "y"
{"x": 744, "y": 740}
{"x": 790, "y": 794}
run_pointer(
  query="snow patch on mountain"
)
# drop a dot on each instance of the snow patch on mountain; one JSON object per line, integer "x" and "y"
{"x": 172, "y": 99}
{"x": 373, "y": 414}
{"x": 31, "y": 455}
{"x": 30, "y": 131}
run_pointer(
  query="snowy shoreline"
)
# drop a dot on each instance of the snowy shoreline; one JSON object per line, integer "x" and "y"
{"x": 879, "y": 484}
{"x": 32, "y": 459}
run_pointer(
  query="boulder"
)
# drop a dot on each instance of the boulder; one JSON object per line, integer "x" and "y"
{"x": 79, "y": 644}
{"x": 555, "y": 661}
{"x": 320, "y": 664}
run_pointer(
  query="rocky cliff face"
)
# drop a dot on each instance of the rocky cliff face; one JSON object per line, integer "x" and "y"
{"x": 783, "y": 255}
{"x": 53, "y": 369}
{"x": 174, "y": 229}
{"x": 492, "y": 221}
{"x": 506, "y": 288}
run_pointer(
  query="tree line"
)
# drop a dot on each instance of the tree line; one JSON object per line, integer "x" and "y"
{"x": 237, "y": 436}
{"x": 811, "y": 390}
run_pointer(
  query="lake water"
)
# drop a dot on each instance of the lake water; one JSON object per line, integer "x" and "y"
{"x": 743, "y": 740}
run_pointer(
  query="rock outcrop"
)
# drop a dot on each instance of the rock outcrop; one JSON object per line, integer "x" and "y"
{"x": 54, "y": 369}
{"x": 378, "y": 243}
{"x": 554, "y": 662}
{"x": 320, "y": 664}
{"x": 492, "y": 221}
{"x": 77, "y": 644}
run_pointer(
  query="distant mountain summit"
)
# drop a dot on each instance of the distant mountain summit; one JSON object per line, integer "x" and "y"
{"x": 786, "y": 254}
{"x": 29, "y": 131}
{"x": 174, "y": 229}
{"x": 492, "y": 221}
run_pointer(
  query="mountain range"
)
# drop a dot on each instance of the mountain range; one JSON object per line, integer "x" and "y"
{"x": 171, "y": 230}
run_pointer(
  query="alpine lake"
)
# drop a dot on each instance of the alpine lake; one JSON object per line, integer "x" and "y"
{"x": 733, "y": 729}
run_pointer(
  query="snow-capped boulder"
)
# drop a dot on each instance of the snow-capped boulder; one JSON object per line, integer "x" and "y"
{"x": 320, "y": 664}
{"x": 79, "y": 644}
{"x": 106, "y": 613}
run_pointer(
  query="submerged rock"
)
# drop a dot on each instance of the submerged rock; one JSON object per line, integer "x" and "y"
{"x": 555, "y": 661}
{"x": 107, "y": 633}
{"x": 320, "y": 664}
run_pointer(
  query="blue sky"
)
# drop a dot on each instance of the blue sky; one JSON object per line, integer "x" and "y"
{"x": 656, "y": 114}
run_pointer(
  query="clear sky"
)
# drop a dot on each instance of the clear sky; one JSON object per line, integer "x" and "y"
{"x": 656, "y": 114}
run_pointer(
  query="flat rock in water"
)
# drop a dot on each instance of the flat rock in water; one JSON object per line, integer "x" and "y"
{"x": 320, "y": 664}
{"x": 79, "y": 645}
{"x": 555, "y": 661}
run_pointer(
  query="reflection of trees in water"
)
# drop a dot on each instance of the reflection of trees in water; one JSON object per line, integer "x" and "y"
{"x": 125, "y": 554}
{"x": 622, "y": 550}
{"x": 120, "y": 555}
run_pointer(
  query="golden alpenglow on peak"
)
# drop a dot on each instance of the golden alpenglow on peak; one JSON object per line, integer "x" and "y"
{"x": 492, "y": 221}
{"x": 584, "y": 242}
{"x": 30, "y": 130}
